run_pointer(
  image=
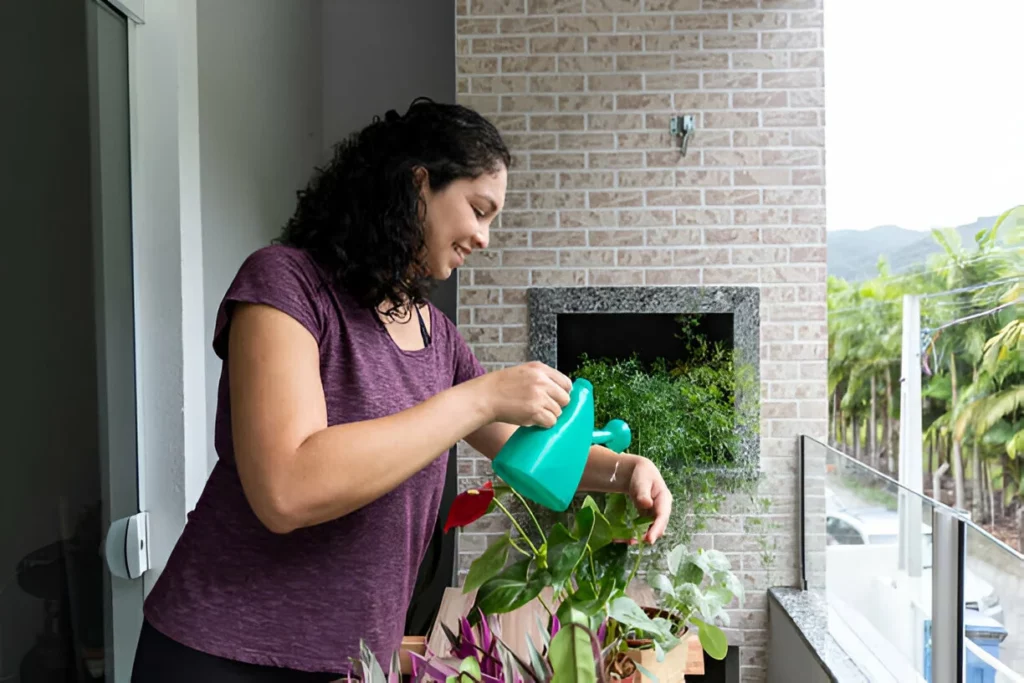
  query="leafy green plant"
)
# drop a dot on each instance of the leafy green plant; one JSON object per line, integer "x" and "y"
{"x": 696, "y": 589}
{"x": 586, "y": 564}
{"x": 690, "y": 418}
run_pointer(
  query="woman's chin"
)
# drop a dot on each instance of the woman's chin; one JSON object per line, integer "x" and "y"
{"x": 441, "y": 272}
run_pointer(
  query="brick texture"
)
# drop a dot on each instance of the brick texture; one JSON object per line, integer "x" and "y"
{"x": 600, "y": 195}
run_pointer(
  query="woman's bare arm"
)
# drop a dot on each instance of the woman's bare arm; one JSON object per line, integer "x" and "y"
{"x": 602, "y": 463}
{"x": 296, "y": 471}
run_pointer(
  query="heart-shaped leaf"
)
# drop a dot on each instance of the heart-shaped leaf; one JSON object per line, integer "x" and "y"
{"x": 734, "y": 585}
{"x": 611, "y": 562}
{"x": 490, "y": 562}
{"x": 675, "y": 558}
{"x": 515, "y": 586}
{"x": 717, "y": 561}
{"x": 691, "y": 573}
{"x": 712, "y": 639}
{"x": 662, "y": 583}
{"x": 564, "y": 552}
{"x": 717, "y": 599}
{"x": 590, "y": 523}
{"x": 615, "y": 508}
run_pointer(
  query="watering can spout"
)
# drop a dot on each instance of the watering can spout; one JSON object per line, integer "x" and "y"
{"x": 546, "y": 465}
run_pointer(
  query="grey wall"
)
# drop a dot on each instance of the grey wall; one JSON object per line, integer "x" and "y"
{"x": 260, "y": 84}
{"x": 382, "y": 55}
{"x": 789, "y": 657}
{"x": 48, "y": 413}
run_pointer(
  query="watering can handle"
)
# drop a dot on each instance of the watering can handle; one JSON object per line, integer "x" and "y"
{"x": 615, "y": 436}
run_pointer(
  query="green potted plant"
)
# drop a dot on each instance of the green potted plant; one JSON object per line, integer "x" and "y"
{"x": 695, "y": 591}
{"x": 587, "y": 565}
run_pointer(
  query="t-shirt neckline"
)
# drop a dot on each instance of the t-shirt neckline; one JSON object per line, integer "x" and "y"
{"x": 382, "y": 328}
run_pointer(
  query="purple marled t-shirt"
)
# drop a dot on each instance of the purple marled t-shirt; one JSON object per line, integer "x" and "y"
{"x": 303, "y": 600}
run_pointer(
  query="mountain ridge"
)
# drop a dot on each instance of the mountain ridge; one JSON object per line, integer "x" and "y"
{"x": 853, "y": 254}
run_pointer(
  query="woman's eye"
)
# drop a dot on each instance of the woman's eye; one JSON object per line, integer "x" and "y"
{"x": 478, "y": 212}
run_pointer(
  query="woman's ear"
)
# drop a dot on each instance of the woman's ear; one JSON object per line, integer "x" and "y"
{"x": 420, "y": 176}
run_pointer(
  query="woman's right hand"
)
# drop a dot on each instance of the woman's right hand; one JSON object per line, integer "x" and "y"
{"x": 532, "y": 394}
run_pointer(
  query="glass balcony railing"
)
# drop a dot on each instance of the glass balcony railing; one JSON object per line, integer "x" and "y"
{"x": 915, "y": 591}
{"x": 993, "y": 607}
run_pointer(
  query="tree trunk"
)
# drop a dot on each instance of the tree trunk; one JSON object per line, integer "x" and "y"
{"x": 855, "y": 423}
{"x": 1020, "y": 527}
{"x": 977, "y": 486}
{"x": 941, "y": 459}
{"x": 834, "y": 424}
{"x": 930, "y": 462}
{"x": 977, "y": 490}
{"x": 890, "y": 446}
{"x": 958, "y": 463}
{"x": 841, "y": 437}
{"x": 991, "y": 495}
{"x": 873, "y": 426}
{"x": 1004, "y": 460}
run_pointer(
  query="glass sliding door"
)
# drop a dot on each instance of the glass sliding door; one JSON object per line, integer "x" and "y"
{"x": 68, "y": 459}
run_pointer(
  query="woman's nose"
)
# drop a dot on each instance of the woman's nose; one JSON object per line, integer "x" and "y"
{"x": 481, "y": 239}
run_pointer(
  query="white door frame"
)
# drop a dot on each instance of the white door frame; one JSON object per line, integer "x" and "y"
{"x": 167, "y": 232}
{"x": 135, "y": 10}
{"x": 168, "y": 285}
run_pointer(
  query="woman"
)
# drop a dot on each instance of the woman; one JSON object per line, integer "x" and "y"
{"x": 342, "y": 390}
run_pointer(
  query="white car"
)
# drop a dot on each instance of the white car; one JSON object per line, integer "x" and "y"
{"x": 879, "y": 526}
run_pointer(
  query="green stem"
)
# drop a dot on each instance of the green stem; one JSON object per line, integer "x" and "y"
{"x": 636, "y": 565}
{"x": 513, "y": 544}
{"x": 526, "y": 505}
{"x": 545, "y": 605}
{"x": 518, "y": 528}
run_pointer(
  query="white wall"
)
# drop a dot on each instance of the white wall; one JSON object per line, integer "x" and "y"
{"x": 260, "y": 84}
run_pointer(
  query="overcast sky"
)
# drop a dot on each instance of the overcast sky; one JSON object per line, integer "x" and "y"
{"x": 925, "y": 111}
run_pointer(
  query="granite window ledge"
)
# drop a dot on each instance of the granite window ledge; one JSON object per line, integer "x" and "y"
{"x": 807, "y": 613}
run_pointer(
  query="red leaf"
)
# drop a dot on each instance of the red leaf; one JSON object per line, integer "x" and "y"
{"x": 469, "y": 506}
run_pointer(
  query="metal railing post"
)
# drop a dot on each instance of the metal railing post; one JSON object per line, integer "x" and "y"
{"x": 802, "y": 483}
{"x": 949, "y": 548}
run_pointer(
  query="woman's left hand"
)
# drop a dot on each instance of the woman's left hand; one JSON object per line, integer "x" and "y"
{"x": 651, "y": 496}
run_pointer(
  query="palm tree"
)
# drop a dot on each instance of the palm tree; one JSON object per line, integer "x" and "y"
{"x": 974, "y": 384}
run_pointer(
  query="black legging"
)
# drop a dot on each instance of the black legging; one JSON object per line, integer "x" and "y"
{"x": 160, "y": 659}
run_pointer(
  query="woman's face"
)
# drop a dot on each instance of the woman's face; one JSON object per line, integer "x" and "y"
{"x": 458, "y": 219}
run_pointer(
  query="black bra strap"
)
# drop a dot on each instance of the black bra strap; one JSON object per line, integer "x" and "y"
{"x": 423, "y": 328}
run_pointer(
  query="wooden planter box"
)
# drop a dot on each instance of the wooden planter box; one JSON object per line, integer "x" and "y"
{"x": 686, "y": 658}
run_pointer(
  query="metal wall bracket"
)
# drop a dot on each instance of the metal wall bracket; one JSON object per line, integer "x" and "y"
{"x": 683, "y": 127}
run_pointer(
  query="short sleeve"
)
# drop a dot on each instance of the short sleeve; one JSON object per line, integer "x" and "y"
{"x": 282, "y": 277}
{"x": 466, "y": 365}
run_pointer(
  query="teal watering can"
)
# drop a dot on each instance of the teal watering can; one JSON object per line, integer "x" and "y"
{"x": 546, "y": 465}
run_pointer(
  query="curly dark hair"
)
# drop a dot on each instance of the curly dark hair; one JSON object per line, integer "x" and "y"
{"x": 361, "y": 216}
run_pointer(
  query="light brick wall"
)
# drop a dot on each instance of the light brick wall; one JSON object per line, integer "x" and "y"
{"x": 599, "y": 195}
